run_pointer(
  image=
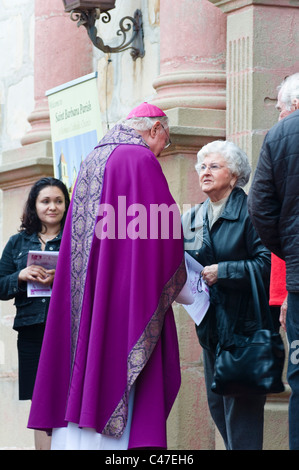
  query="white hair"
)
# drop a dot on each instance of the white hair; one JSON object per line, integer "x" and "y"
{"x": 237, "y": 160}
{"x": 289, "y": 89}
{"x": 145, "y": 123}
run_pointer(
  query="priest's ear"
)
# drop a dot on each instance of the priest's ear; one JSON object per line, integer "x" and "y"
{"x": 155, "y": 128}
{"x": 295, "y": 102}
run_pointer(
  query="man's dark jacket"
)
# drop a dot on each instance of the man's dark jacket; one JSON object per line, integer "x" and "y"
{"x": 273, "y": 201}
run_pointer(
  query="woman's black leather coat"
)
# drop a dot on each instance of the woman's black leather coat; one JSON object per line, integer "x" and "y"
{"x": 232, "y": 243}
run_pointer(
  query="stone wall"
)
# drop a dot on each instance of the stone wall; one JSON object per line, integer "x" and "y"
{"x": 16, "y": 102}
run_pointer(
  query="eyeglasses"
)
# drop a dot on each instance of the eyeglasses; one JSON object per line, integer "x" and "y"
{"x": 213, "y": 167}
{"x": 199, "y": 284}
{"x": 168, "y": 142}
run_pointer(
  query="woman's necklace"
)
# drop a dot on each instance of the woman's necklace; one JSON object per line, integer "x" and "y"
{"x": 47, "y": 239}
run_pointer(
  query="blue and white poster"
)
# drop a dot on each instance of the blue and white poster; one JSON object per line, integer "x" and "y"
{"x": 75, "y": 125}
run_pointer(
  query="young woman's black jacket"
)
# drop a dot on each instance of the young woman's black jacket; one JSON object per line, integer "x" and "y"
{"x": 30, "y": 311}
{"x": 232, "y": 243}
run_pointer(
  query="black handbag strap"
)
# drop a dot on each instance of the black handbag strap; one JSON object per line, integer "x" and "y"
{"x": 259, "y": 297}
{"x": 256, "y": 280}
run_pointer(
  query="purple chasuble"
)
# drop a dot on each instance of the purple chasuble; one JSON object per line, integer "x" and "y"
{"x": 110, "y": 322}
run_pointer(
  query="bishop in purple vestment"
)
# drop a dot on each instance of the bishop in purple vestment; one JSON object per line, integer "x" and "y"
{"x": 110, "y": 325}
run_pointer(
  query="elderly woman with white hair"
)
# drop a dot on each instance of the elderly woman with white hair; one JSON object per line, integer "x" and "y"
{"x": 221, "y": 237}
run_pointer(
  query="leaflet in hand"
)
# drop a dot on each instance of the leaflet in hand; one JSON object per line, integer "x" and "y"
{"x": 47, "y": 259}
{"x": 198, "y": 288}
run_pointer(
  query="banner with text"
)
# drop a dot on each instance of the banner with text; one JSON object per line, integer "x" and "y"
{"x": 75, "y": 125}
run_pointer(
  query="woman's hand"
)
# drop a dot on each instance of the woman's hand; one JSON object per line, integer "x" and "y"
{"x": 37, "y": 274}
{"x": 210, "y": 274}
{"x": 283, "y": 313}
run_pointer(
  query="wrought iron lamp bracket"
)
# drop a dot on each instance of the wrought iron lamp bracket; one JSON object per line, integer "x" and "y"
{"x": 88, "y": 19}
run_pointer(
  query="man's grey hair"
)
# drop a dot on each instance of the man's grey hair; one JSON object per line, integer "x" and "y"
{"x": 289, "y": 89}
{"x": 237, "y": 160}
{"x": 145, "y": 123}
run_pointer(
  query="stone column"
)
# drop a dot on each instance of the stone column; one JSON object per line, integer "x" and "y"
{"x": 62, "y": 53}
{"x": 191, "y": 85}
{"x": 262, "y": 49}
{"x": 192, "y": 56}
{"x": 191, "y": 88}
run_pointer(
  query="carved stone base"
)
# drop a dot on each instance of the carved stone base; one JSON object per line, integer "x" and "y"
{"x": 23, "y": 166}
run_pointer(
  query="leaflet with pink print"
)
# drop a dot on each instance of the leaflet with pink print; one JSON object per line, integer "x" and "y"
{"x": 47, "y": 259}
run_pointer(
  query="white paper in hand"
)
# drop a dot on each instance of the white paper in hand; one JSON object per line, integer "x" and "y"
{"x": 198, "y": 288}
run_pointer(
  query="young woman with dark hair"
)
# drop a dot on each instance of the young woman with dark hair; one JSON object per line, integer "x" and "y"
{"x": 41, "y": 228}
{"x": 30, "y": 220}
